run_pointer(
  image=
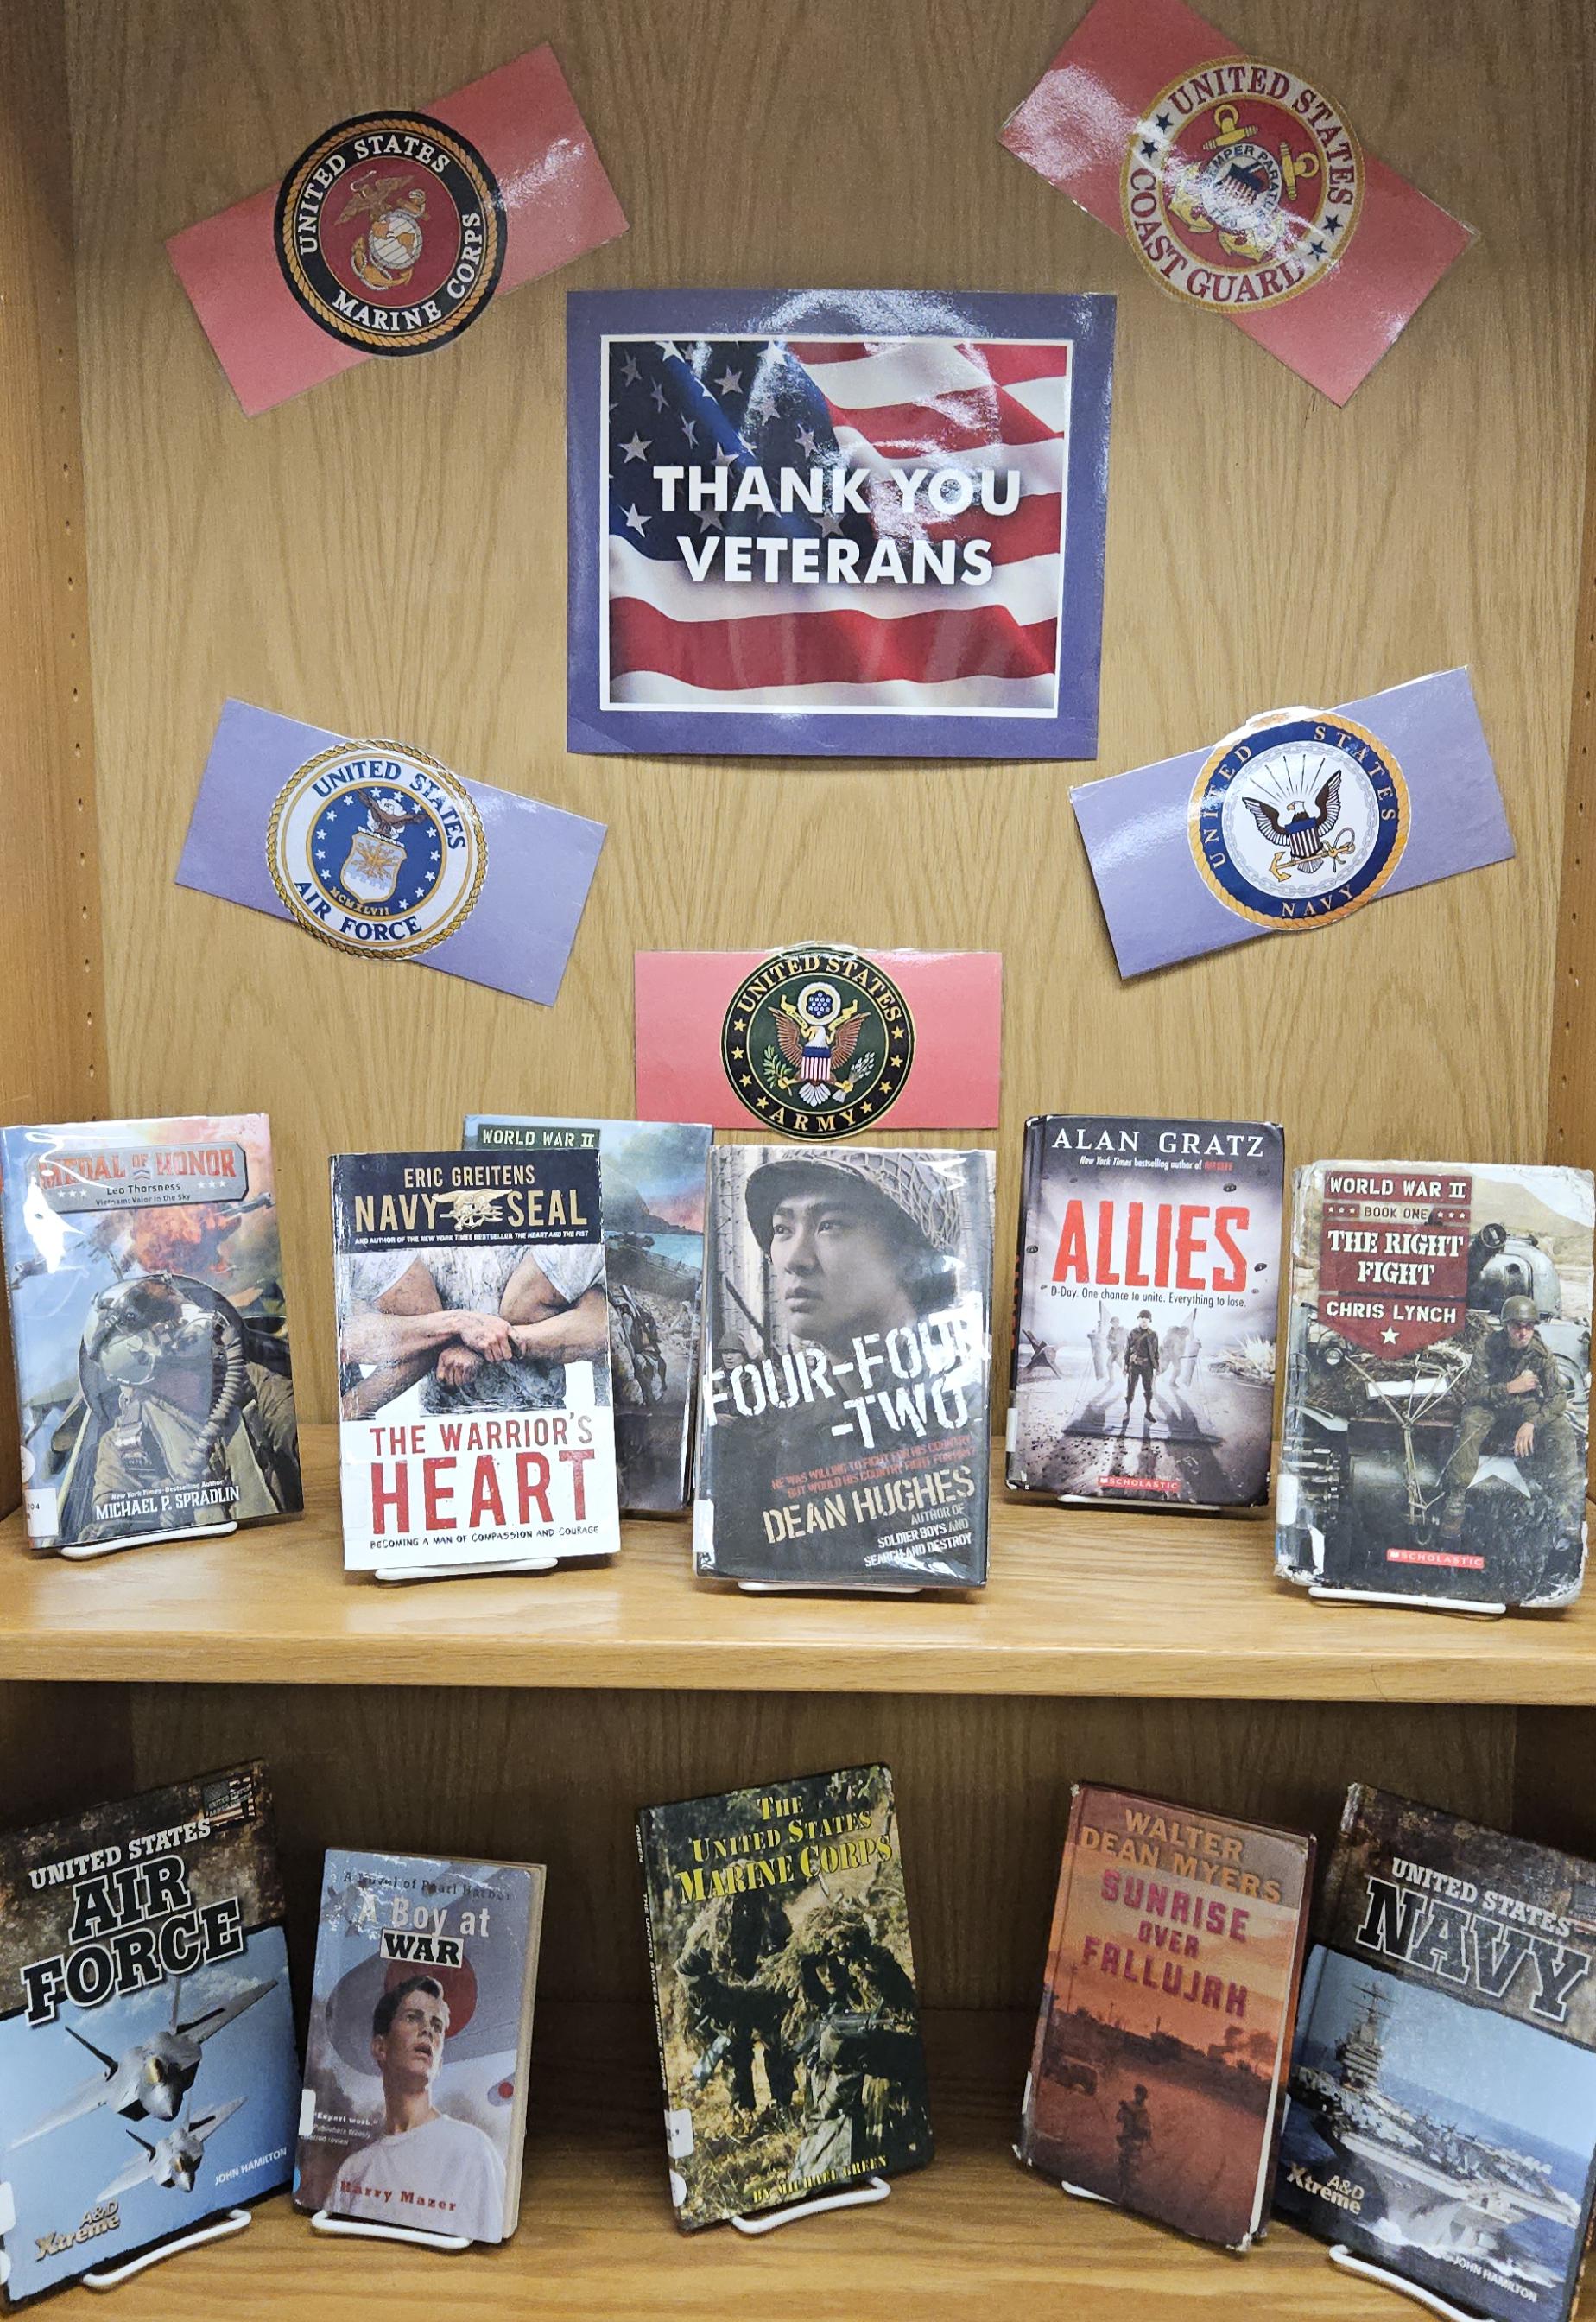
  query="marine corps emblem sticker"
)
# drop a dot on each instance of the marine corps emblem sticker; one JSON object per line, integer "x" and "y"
{"x": 1299, "y": 818}
{"x": 377, "y": 849}
{"x": 817, "y": 1043}
{"x": 390, "y": 233}
{"x": 1241, "y": 186}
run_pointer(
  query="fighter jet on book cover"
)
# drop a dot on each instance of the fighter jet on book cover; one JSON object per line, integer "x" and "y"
{"x": 784, "y": 1993}
{"x": 148, "y": 2073}
{"x": 1147, "y": 1311}
{"x": 1442, "y": 2123}
{"x": 150, "y": 1336}
{"x": 847, "y": 1354}
{"x": 1438, "y": 1381}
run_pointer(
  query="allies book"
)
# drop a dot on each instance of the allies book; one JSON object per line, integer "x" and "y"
{"x": 842, "y": 1427}
{"x": 1173, "y": 1968}
{"x": 1441, "y": 2122}
{"x": 1147, "y": 1311}
{"x": 784, "y": 1993}
{"x": 652, "y": 1181}
{"x": 474, "y": 1352}
{"x": 1437, "y": 1382}
{"x": 415, "y": 2105}
{"x": 152, "y": 1341}
{"x": 148, "y": 2073}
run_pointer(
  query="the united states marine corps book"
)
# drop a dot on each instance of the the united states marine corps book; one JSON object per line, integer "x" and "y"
{"x": 1147, "y": 1311}
{"x": 414, "y": 2106}
{"x": 847, "y": 1358}
{"x": 1442, "y": 2123}
{"x": 1157, "y": 2075}
{"x": 150, "y": 1336}
{"x": 784, "y": 1993}
{"x": 1437, "y": 1382}
{"x": 474, "y": 1352}
{"x": 148, "y": 2073}
{"x": 652, "y": 1178}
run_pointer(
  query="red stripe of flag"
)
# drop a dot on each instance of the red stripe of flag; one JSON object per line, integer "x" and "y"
{"x": 829, "y": 647}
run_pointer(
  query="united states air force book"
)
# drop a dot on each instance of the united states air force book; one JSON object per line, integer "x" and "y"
{"x": 149, "y": 2074}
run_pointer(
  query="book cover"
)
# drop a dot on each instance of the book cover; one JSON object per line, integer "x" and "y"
{"x": 474, "y": 1352}
{"x": 847, "y": 1358}
{"x": 1437, "y": 1381}
{"x": 784, "y": 1992}
{"x": 1147, "y": 1311}
{"x": 1442, "y": 2120}
{"x": 415, "y": 2105}
{"x": 152, "y": 1341}
{"x": 651, "y": 1180}
{"x": 147, "y": 2066}
{"x": 1165, "y": 2024}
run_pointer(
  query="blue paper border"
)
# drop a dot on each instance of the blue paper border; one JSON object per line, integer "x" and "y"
{"x": 1087, "y": 321}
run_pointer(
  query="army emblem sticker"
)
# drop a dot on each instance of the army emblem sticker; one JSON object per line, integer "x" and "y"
{"x": 1299, "y": 818}
{"x": 1241, "y": 186}
{"x": 390, "y": 233}
{"x": 817, "y": 1043}
{"x": 377, "y": 849}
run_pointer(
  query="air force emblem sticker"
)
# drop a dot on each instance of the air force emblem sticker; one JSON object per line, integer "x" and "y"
{"x": 817, "y": 1043}
{"x": 377, "y": 849}
{"x": 1299, "y": 818}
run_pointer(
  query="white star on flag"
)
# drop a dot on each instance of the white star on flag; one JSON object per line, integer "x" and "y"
{"x": 657, "y": 392}
{"x": 690, "y": 428}
{"x": 806, "y": 436}
{"x": 635, "y": 522}
{"x": 630, "y": 373}
{"x": 730, "y": 381}
{"x": 637, "y": 449}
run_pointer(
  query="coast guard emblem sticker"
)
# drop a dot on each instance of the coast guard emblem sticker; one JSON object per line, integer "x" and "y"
{"x": 1241, "y": 186}
{"x": 817, "y": 1043}
{"x": 1299, "y": 818}
{"x": 390, "y": 233}
{"x": 377, "y": 849}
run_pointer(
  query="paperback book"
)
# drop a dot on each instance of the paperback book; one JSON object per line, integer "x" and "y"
{"x": 1439, "y": 1382}
{"x": 1158, "y": 2071}
{"x": 847, "y": 1360}
{"x": 148, "y": 2073}
{"x": 1146, "y": 1312}
{"x": 784, "y": 1993}
{"x": 414, "y": 2106}
{"x": 473, "y": 1350}
{"x": 1441, "y": 2122}
{"x": 153, "y": 1377}
{"x": 651, "y": 1180}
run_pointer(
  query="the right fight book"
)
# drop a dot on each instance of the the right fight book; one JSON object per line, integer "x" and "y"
{"x": 1437, "y": 1381}
{"x": 1442, "y": 2121}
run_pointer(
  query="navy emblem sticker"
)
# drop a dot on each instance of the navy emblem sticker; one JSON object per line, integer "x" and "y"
{"x": 1299, "y": 818}
{"x": 390, "y": 233}
{"x": 817, "y": 1043}
{"x": 377, "y": 849}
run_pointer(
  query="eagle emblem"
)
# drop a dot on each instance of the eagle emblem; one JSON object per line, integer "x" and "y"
{"x": 377, "y": 852}
{"x": 470, "y": 1208}
{"x": 1302, "y": 831}
{"x": 385, "y": 255}
{"x": 818, "y": 1038}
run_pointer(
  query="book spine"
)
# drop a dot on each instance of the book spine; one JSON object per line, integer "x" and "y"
{"x": 1030, "y": 1164}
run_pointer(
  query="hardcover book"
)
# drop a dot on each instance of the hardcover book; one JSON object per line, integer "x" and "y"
{"x": 1147, "y": 1311}
{"x": 1165, "y": 2029}
{"x": 651, "y": 1180}
{"x": 1438, "y": 1381}
{"x": 414, "y": 2106}
{"x": 473, "y": 1350}
{"x": 1441, "y": 2122}
{"x": 784, "y": 1993}
{"x": 147, "y": 2066}
{"x": 152, "y": 1341}
{"x": 847, "y": 1355}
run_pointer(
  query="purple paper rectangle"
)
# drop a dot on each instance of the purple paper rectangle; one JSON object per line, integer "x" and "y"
{"x": 1137, "y": 826}
{"x": 517, "y": 933}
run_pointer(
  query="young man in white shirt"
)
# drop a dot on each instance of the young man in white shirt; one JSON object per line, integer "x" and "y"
{"x": 428, "y": 2169}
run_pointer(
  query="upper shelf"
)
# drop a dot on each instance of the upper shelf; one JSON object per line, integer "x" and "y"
{"x": 1078, "y": 1603}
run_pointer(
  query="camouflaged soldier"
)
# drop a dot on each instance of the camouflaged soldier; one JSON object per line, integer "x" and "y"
{"x": 1512, "y": 1391}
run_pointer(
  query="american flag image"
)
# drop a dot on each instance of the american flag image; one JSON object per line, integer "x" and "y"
{"x": 857, "y": 412}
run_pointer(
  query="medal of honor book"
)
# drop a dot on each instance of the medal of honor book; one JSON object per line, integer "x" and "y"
{"x": 473, "y": 1350}
{"x": 1441, "y": 2122}
{"x": 1147, "y": 1311}
{"x": 784, "y": 1993}
{"x": 651, "y": 1180}
{"x": 1437, "y": 1382}
{"x": 847, "y": 1355}
{"x": 152, "y": 1341}
{"x": 1173, "y": 1968}
{"x": 147, "y": 2066}
{"x": 415, "y": 2105}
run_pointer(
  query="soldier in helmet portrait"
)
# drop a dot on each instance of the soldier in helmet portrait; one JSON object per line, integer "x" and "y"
{"x": 1513, "y": 1401}
{"x": 858, "y": 1243}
